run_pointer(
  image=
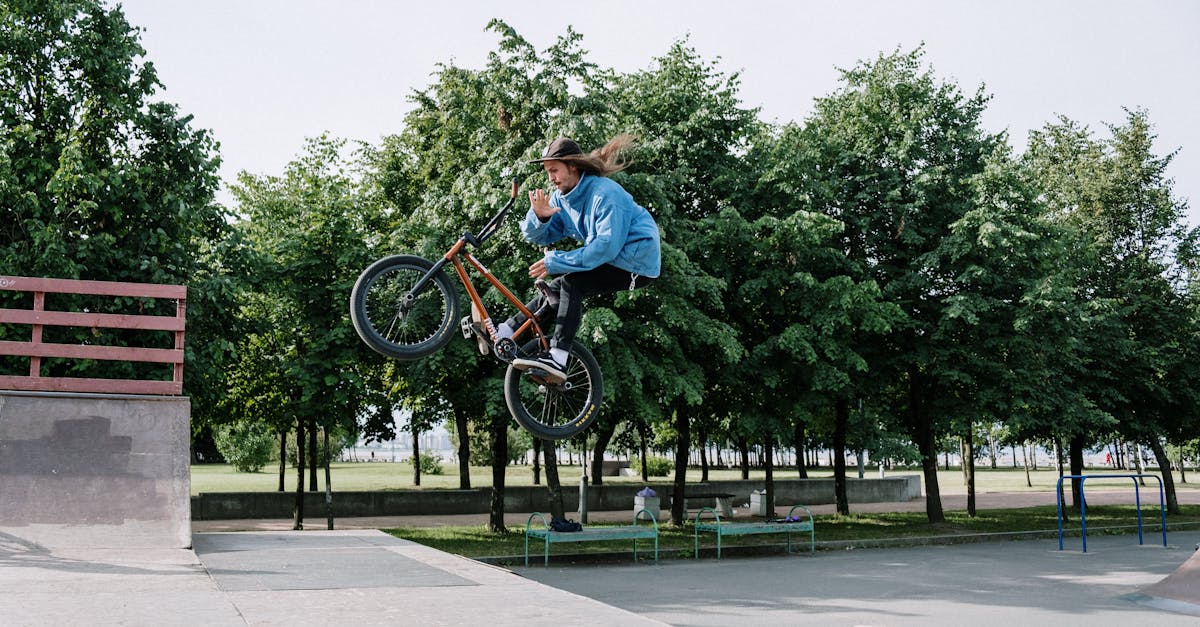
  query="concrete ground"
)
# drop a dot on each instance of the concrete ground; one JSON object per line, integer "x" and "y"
{"x": 271, "y": 576}
{"x": 992, "y": 583}
{"x": 280, "y": 578}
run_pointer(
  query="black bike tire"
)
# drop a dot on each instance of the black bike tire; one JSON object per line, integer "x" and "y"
{"x": 588, "y": 411}
{"x": 368, "y": 331}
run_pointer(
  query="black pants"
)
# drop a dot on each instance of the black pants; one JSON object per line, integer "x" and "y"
{"x": 571, "y": 290}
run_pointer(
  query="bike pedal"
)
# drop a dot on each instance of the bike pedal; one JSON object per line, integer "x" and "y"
{"x": 465, "y": 326}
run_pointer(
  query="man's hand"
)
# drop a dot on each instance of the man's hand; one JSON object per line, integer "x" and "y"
{"x": 538, "y": 269}
{"x": 540, "y": 203}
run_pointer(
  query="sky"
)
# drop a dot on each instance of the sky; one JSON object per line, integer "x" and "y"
{"x": 263, "y": 75}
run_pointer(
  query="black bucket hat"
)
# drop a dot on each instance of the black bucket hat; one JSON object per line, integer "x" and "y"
{"x": 559, "y": 149}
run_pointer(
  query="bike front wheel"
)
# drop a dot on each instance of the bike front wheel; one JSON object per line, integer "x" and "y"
{"x": 556, "y": 411}
{"x": 393, "y": 320}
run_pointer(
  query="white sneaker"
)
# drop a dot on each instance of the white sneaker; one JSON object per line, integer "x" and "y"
{"x": 544, "y": 362}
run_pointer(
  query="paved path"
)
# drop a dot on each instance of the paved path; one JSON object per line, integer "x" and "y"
{"x": 992, "y": 583}
{"x": 363, "y": 577}
{"x": 280, "y": 578}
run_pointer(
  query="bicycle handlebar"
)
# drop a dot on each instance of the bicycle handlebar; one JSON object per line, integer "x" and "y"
{"x": 493, "y": 225}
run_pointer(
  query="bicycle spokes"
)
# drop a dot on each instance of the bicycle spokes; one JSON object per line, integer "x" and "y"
{"x": 395, "y": 320}
{"x": 556, "y": 409}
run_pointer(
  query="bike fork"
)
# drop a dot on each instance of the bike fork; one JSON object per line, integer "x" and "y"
{"x": 424, "y": 281}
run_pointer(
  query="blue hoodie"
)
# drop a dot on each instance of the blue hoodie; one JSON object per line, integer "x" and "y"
{"x": 613, "y": 228}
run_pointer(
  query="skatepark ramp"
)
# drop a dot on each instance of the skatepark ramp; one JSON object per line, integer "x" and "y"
{"x": 1177, "y": 592}
{"x": 89, "y": 461}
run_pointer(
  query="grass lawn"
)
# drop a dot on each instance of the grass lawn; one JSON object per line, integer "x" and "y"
{"x": 363, "y": 476}
{"x": 478, "y": 542}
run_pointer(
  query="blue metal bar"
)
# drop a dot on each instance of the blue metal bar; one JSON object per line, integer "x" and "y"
{"x": 1137, "y": 499}
{"x": 1083, "y": 505}
{"x": 1083, "y": 513}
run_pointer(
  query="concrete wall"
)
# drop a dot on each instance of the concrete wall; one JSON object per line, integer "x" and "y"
{"x": 94, "y": 470}
{"x": 225, "y": 506}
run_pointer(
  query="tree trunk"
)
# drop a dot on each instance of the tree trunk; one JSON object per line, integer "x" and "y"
{"x": 328, "y": 484}
{"x": 499, "y": 465}
{"x": 769, "y": 465}
{"x": 1025, "y": 453}
{"x": 962, "y": 455}
{"x": 1164, "y": 467}
{"x": 840, "y": 421}
{"x": 933, "y": 496}
{"x": 298, "y": 508}
{"x": 703, "y": 456}
{"x": 1076, "y": 457}
{"x": 683, "y": 433}
{"x": 1141, "y": 470}
{"x": 744, "y": 449}
{"x": 926, "y": 441}
{"x": 282, "y": 458}
{"x": 645, "y": 453}
{"x": 603, "y": 438}
{"x": 416, "y": 458}
{"x": 992, "y": 450}
{"x": 969, "y": 469}
{"x": 1058, "y": 457}
{"x": 801, "y": 453}
{"x": 313, "y": 458}
{"x": 464, "y": 448}
{"x": 537, "y": 461}
{"x": 552, "y": 484}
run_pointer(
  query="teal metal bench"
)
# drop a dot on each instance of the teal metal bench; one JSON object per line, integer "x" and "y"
{"x": 726, "y": 528}
{"x": 633, "y": 532}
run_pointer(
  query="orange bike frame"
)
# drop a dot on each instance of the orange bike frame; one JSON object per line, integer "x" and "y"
{"x": 459, "y": 250}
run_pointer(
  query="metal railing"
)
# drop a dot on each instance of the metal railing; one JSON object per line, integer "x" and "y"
{"x": 39, "y": 317}
{"x": 1083, "y": 505}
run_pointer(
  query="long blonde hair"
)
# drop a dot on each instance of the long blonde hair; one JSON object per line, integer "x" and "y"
{"x": 605, "y": 160}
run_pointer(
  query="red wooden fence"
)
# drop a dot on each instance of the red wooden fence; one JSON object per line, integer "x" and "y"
{"x": 39, "y": 317}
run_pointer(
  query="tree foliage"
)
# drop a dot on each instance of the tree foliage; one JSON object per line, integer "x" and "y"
{"x": 885, "y": 275}
{"x": 100, "y": 180}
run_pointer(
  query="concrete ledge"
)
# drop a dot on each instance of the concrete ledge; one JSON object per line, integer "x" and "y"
{"x": 608, "y": 497}
{"x": 95, "y": 470}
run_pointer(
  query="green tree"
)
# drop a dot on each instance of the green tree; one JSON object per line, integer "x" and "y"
{"x": 660, "y": 346}
{"x": 444, "y": 174}
{"x": 1116, "y": 194}
{"x": 890, "y": 154}
{"x": 247, "y": 446}
{"x": 307, "y": 228}
{"x": 100, "y": 181}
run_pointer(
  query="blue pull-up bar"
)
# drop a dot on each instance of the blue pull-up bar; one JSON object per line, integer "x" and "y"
{"x": 1162, "y": 510}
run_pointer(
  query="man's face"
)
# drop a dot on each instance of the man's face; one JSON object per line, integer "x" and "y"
{"x": 563, "y": 176}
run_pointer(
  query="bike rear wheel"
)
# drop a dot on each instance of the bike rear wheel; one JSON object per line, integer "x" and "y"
{"x": 556, "y": 411}
{"x": 392, "y": 324}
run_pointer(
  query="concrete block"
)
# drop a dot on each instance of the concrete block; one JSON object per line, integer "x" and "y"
{"x": 95, "y": 470}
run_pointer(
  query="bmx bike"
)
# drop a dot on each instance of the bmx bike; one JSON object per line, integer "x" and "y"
{"x": 406, "y": 307}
